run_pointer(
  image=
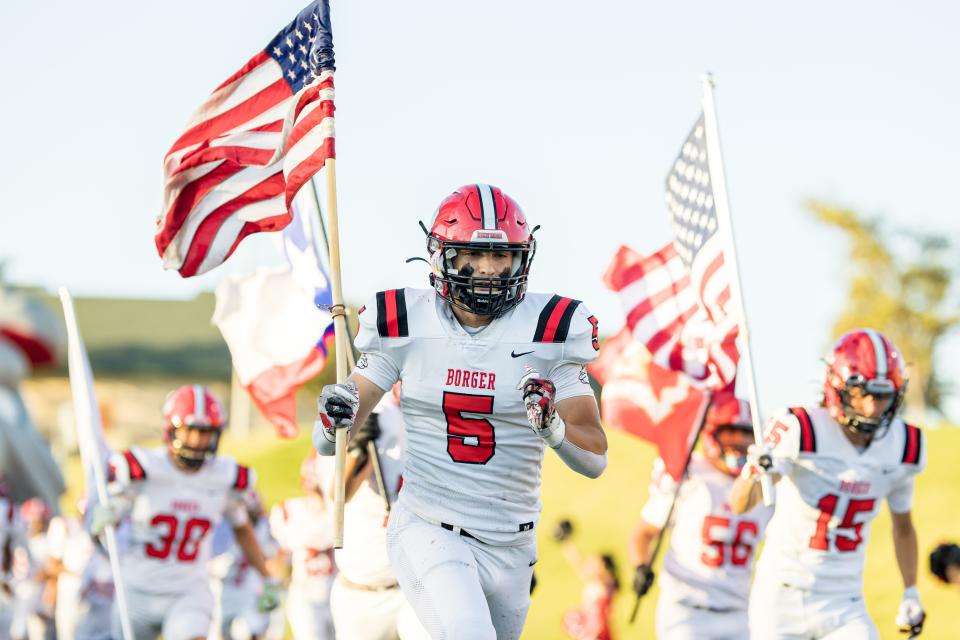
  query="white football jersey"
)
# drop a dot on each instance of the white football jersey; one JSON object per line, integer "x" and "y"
{"x": 173, "y": 515}
{"x": 709, "y": 560}
{"x": 363, "y": 558}
{"x": 829, "y": 494}
{"x": 304, "y": 528}
{"x": 472, "y": 459}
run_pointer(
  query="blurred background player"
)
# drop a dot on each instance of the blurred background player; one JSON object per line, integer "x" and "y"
{"x": 303, "y": 529}
{"x": 366, "y": 601}
{"x": 705, "y": 583}
{"x": 239, "y": 587}
{"x": 95, "y": 607}
{"x": 174, "y": 497}
{"x": 69, "y": 547}
{"x": 599, "y": 573}
{"x": 834, "y": 464}
{"x": 945, "y": 563}
{"x": 461, "y": 537}
{"x": 35, "y": 578}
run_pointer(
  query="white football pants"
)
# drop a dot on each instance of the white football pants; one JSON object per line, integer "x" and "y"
{"x": 459, "y": 587}
{"x": 309, "y": 620}
{"x": 676, "y": 621}
{"x": 779, "y": 612}
{"x": 178, "y": 616}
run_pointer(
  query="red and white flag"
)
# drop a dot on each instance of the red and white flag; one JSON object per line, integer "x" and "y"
{"x": 666, "y": 316}
{"x": 648, "y": 401}
{"x": 250, "y": 147}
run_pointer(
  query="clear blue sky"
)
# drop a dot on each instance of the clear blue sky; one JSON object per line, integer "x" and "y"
{"x": 576, "y": 109}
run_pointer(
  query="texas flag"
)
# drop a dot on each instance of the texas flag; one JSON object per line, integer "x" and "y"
{"x": 646, "y": 400}
{"x": 277, "y": 326}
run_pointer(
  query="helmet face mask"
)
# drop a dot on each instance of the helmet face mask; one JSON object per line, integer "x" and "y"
{"x": 727, "y": 432}
{"x": 195, "y": 420}
{"x": 864, "y": 371}
{"x": 479, "y": 224}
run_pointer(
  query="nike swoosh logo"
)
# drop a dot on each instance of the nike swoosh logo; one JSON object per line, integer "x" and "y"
{"x": 514, "y": 354}
{"x": 533, "y": 563}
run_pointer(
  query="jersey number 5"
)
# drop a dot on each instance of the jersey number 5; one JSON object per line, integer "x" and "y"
{"x": 194, "y": 530}
{"x": 469, "y": 440}
{"x": 827, "y": 505}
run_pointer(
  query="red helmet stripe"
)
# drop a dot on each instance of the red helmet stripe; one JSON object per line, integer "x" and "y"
{"x": 199, "y": 404}
{"x": 488, "y": 206}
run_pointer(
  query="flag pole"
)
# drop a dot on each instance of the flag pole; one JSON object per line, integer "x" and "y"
{"x": 722, "y": 205}
{"x": 85, "y": 412}
{"x": 673, "y": 503}
{"x": 372, "y": 454}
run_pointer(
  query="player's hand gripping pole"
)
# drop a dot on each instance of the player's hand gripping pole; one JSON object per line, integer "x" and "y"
{"x": 715, "y": 162}
{"x": 86, "y": 414}
{"x": 342, "y": 341}
{"x": 372, "y": 454}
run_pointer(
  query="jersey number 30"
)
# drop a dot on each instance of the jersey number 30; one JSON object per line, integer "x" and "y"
{"x": 469, "y": 440}
{"x": 194, "y": 530}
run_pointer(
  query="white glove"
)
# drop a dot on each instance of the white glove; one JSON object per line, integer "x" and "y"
{"x": 269, "y": 598}
{"x": 103, "y": 516}
{"x": 910, "y": 615}
{"x": 336, "y": 409}
{"x": 538, "y": 398}
{"x": 758, "y": 462}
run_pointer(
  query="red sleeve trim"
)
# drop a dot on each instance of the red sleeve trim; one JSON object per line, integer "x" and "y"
{"x": 911, "y": 448}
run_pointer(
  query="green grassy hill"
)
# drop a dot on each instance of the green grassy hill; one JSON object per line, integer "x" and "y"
{"x": 604, "y": 511}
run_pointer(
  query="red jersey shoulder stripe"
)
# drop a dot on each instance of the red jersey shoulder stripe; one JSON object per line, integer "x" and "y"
{"x": 912, "y": 446}
{"x": 554, "y": 322}
{"x": 808, "y": 439}
{"x": 392, "y": 314}
{"x": 136, "y": 469}
{"x": 242, "y": 480}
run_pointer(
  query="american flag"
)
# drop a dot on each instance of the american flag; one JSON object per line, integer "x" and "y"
{"x": 677, "y": 299}
{"x": 665, "y": 316}
{"x": 250, "y": 147}
{"x": 694, "y": 218}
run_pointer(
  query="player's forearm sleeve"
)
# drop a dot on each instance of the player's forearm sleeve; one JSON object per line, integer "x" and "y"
{"x": 583, "y": 462}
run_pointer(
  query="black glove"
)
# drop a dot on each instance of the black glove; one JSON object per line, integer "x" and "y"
{"x": 942, "y": 557}
{"x": 642, "y": 580}
{"x": 563, "y": 530}
{"x": 368, "y": 432}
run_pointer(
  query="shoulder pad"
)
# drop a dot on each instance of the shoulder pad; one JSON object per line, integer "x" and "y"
{"x": 808, "y": 438}
{"x": 554, "y": 322}
{"x": 912, "y": 445}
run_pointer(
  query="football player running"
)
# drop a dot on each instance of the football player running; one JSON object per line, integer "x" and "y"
{"x": 366, "y": 600}
{"x": 705, "y": 582}
{"x": 491, "y": 376}
{"x": 174, "y": 497}
{"x": 834, "y": 464}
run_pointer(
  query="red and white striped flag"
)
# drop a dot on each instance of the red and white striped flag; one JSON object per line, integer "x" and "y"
{"x": 665, "y": 315}
{"x": 250, "y": 147}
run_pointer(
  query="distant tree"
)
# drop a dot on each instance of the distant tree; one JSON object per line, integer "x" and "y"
{"x": 899, "y": 283}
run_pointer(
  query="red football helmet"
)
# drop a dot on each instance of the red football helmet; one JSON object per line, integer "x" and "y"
{"x": 480, "y": 217}
{"x": 867, "y": 360}
{"x": 189, "y": 407}
{"x": 726, "y": 412}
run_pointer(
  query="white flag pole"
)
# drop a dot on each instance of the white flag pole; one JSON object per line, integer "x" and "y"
{"x": 715, "y": 161}
{"x": 87, "y": 416}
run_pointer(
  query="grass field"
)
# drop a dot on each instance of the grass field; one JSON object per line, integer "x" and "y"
{"x": 604, "y": 511}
